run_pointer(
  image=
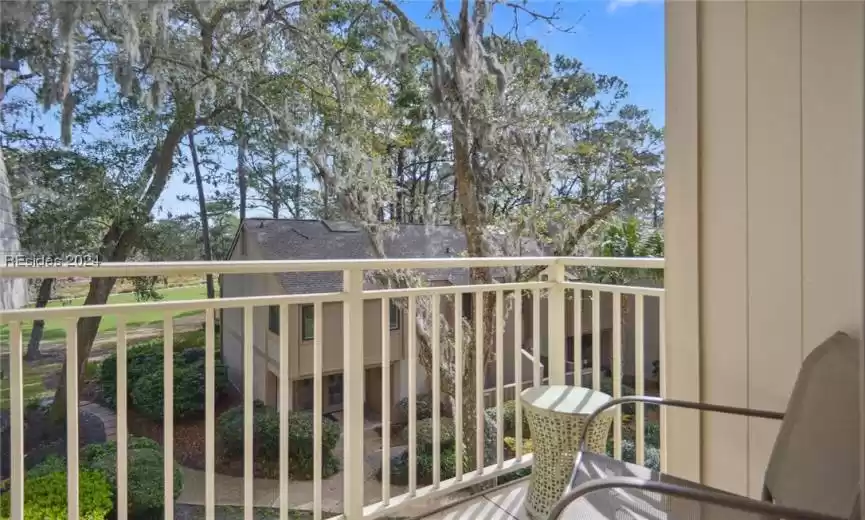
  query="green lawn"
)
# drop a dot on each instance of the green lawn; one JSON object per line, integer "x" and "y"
{"x": 54, "y": 330}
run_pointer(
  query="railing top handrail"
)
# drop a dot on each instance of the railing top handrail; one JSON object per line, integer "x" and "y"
{"x": 132, "y": 269}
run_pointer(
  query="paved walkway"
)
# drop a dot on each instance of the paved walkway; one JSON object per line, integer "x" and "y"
{"x": 229, "y": 490}
{"x": 106, "y": 415}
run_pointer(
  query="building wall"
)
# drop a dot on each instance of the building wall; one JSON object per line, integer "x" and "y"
{"x": 764, "y": 216}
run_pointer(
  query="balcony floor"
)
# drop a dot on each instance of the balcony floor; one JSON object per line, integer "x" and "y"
{"x": 502, "y": 503}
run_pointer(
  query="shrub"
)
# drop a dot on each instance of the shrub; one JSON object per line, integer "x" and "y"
{"x": 651, "y": 446}
{"x": 92, "y": 452}
{"x": 140, "y": 359}
{"x": 399, "y": 467}
{"x": 145, "y": 473}
{"x": 189, "y": 386}
{"x": 424, "y": 409}
{"x": 145, "y": 379}
{"x": 607, "y": 388}
{"x": 509, "y": 419}
{"x": 46, "y": 497}
{"x": 511, "y": 444}
{"x": 229, "y": 430}
{"x": 144, "y": 357}
{"x": 425, "y": 434}
{"x": 145, "y": 478}
{"x": 51, "y": 464}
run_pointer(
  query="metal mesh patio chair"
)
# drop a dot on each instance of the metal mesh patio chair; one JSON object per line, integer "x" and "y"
{"x": 813, "y": 470}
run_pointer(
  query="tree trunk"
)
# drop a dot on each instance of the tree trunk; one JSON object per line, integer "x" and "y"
{"x": 13, "y": 291}
{"x": 298, "y": 184}
{"x": 42, "y": 298}
{"x": 472, "y": 220}
{"x": 274, "y": 193}
{"x": 202, "y": 212}
{"x": 242, "y": 144}
{"x": 117, "y": 244}
{"x": 400, "y": 187}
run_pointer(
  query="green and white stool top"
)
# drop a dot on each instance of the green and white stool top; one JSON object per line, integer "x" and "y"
{"x": 565, "y": 399}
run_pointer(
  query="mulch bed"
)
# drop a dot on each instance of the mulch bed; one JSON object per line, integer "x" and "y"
{"x": 190, "y": 437}
{"x": 43, "y": 437}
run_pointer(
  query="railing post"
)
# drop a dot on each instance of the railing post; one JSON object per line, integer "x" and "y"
{"x": 556, "y": 323}
{"x": 353, "y": 394}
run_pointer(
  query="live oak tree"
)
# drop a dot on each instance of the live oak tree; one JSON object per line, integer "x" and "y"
{"x": 192, "y": 62}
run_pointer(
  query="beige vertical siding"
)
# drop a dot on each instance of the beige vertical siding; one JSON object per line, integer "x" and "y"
{"x": 779, "y": 199}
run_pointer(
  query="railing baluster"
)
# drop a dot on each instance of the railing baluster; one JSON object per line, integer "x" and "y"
{"x": 72, "y": 417}
{"x": 353, "y": 393}
{"x": 436, "y": 390}
{"x": 536, "y": 337}
{"x": 168, "y": 414}
{"x": 500, "y": 379}
{"x": 412, "y": 395}
{"x": 596, "y": 340}
{"x": 209, "y": 413}
{"x": 662, "y": 355}
{"x": 617, "y": 373}
{"x": 478, "y": 316}
{"x": 284, "y": 402}
{"x": 317, "y": 415}
{"x": 518, "y": 369}
{"x": 122, "y": 429}
{"x": 16, "y": 442}
{"x": 248, "y": 412}
{"x": 640, "y": 377}
{"x": 385, "y": 399}
{"x": 458, "y": 382}
{"x": 578, "y": 337}
{"x": 556, "y": 325}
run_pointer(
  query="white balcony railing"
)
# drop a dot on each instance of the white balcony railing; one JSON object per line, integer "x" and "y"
{"x": 627, "y": 331}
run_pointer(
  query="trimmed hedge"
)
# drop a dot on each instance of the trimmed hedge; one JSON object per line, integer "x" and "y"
{"x": 145, "y": 379}
{"x": 145, "y": 478}
{"x": 229, "y": 431}
{"x": 509, "y": 418}
{"x": 46, "y": 496}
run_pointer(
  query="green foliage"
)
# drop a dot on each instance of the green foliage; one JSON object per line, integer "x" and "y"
{"x": 145, "y": 378}
{"x": 46, "y": 497}
{"x": 145, "y": 474}
{"x": 145, "y": 477}
{"x": 399, "y": 467}
{"x": 51, "y": 464}
{"x": 651, "y": 444}
{"x": 447, "y": 434}
{"x": 229, "y": 431}
{"x": 424, "y": 409}
{"x": 509, "y": 418}
{"x": 511, "y": 444}
{"x": 628, "y": 238}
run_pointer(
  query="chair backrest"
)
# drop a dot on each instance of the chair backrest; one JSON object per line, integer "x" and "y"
{"x": 815, "y": 461}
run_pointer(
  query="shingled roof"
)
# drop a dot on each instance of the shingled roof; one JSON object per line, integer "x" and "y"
{"x": 287, "y": 239}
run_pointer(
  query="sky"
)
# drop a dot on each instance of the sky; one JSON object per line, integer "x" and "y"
{"x": 614, "y": 37}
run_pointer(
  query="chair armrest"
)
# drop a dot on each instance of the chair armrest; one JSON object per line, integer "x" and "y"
{"x": 675, "y": 403}
{"x": 702, "y": 495}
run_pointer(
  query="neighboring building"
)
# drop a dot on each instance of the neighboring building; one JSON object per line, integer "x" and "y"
{"x": 280, "y": 239}
{"x": 13, "y": 291}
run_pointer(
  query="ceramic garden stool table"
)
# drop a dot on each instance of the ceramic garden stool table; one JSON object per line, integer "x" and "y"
{"x": 556, "y": 416}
